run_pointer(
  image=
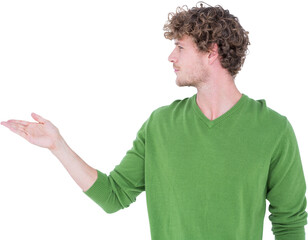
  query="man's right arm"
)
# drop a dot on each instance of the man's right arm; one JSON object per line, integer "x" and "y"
{"x": 112, "y": 193}
{"x": 83, "y": 174}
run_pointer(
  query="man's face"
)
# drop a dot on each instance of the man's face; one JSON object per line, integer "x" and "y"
{"x": 188, "y": 63}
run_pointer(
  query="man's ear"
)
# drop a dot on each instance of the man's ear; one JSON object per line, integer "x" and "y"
{"x": 213, "y": 52}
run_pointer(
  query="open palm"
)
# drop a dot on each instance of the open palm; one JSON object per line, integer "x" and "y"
{"x": 43, "y": 133}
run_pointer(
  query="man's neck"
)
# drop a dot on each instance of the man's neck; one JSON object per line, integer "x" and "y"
{"x": 216, "y": 99}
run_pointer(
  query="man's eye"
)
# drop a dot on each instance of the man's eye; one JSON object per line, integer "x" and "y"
{"x": 180, "y": 47}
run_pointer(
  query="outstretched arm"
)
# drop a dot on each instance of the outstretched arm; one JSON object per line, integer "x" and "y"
{"x": 45, "y": 134}
{"x": 112, "y": 193}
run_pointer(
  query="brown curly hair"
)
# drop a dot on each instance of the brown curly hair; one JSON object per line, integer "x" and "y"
{"x": 209, "y": 25}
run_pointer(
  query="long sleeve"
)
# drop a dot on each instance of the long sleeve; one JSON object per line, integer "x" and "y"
{"x": 286, "y": 189}
{"x": 125, "y": 182}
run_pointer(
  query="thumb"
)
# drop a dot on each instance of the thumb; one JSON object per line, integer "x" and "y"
{"x": 38, "y": 118}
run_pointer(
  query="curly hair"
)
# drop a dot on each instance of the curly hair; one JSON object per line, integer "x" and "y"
{"x": 209, "y": 25}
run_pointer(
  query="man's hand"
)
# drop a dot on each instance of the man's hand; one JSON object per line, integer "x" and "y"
{"x": 43, "y": 134}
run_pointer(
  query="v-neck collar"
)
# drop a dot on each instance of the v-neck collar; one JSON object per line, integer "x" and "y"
{"x": 211, "y": 123}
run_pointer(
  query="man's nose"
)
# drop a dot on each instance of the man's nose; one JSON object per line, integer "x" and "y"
{"x": 172, "y": 57}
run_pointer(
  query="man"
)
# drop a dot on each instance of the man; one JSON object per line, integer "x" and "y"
{"x": 207, "y": 163}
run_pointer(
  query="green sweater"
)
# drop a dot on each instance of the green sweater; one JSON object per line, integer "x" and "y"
{"x": 209, "y": 179}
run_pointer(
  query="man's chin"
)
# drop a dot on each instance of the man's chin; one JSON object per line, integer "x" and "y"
{"x": 182, "y": 83}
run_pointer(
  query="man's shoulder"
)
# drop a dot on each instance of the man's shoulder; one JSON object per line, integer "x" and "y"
{"x": 265, "y": 114}
{"x": 170, "y": 108}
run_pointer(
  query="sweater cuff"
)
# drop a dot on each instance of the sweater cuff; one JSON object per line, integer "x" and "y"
{"x": 298, "y": 236}
{"x": 100, "y": 189}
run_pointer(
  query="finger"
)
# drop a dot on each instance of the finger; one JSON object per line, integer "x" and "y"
{"x": 17, "y": 126}
{"x": 22, "y": 134}
{"x": 38, "y": 118}
{"x": 25, "y": 123}
{"x": 8, "y": 124}
{"x": 5, "y": 124}
{"x": 18, "y": 129}
{"x": 19, "y": 132}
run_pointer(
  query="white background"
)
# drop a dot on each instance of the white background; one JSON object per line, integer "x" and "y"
{"x": 97, "y": 70}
